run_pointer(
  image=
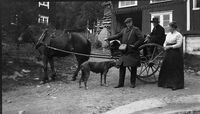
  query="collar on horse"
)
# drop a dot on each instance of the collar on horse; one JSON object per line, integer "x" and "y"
{"x": 42, "y": 38}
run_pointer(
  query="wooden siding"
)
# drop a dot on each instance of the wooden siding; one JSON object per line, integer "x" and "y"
{"x": 51, "y": 12}
{"x": 178, "y": 15}
{"x": 194, "y": 20}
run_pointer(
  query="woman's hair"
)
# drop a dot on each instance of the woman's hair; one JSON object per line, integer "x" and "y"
{"x": 173, "y": 25}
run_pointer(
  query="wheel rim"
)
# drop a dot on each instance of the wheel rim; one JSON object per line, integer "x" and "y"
{"x": 151, "y": 63}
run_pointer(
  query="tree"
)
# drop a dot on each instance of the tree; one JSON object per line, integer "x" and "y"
{"x": 76, "y": 14}
{"x": 16, "y": 15}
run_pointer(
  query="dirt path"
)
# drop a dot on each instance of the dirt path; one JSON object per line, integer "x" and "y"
{"x": 65, "y": 97}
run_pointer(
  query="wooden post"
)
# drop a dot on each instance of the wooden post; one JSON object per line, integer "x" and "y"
{"x": 93, "y": 31}
{"x": 87, "y": 29}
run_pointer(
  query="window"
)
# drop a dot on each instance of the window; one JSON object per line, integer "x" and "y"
{"x": 127, "y": 3}
{"x": 46, "y": 4}
{"x": 43, "y": 19}
{"x": 164, "y": 17}
{"x": 157, "y": 1}
{"x": 196, "y": 4}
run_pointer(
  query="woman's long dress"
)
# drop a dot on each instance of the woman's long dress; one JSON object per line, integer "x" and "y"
{"x": 172, "y": 71}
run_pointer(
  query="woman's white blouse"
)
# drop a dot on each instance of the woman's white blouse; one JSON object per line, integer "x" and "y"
{"x": 174, "y": 38}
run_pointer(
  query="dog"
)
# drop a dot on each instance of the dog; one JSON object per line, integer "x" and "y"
{"x": 96, "y": 67}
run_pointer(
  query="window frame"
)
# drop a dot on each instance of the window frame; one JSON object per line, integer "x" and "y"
{"x": 151, "y": 2}
{"x": 161, "y": 17}
{"x": 43, "y": 17}
{"x": 46, "y": 4}
{"x": 119, "y": 4}
{"x": 195, "y": 5}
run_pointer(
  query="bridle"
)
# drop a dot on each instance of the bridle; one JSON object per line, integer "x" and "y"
{"x": 41, "y": 38}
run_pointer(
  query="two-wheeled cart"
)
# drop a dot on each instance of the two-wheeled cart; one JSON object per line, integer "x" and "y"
{"x": 151, "y": 55}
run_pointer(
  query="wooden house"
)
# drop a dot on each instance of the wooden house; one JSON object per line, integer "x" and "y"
{"x": 185, "y": 12}
{"x": 46, "y": 12}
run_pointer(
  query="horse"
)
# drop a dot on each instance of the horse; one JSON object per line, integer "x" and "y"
{"x": 69, "y": 40}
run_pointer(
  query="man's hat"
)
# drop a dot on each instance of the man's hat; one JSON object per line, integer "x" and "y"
{"x": 127, "y": 20}
{"x": 154, "y": 20}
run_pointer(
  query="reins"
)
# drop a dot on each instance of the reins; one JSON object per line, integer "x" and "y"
{"x": 94, "y": 55}
{"x": 81, "y": 54}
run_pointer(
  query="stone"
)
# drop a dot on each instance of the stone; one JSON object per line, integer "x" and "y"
{"x": 22, "y": 112}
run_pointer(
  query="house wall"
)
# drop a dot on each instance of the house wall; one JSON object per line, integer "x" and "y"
{"x": 192, "y": 37}
{"x": 51, "y": 12}
{"x": 178, "y": 7}
{"x": 192, "y": 44}
{"x": 120, "y": 14}
{"x": 194, "y": 19}
{"x": 178, "y": 15}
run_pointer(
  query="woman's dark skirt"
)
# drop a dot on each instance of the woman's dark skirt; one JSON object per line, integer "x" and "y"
{"x": 172, "y": 71}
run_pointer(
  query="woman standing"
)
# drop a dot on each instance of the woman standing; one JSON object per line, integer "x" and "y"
{"x": 171, "y": 73}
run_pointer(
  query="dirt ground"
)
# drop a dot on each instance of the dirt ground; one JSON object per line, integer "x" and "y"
{"x": 65, "y": 97}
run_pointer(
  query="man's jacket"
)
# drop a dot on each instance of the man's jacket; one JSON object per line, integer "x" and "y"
{"x": 157, "y": 35}
{"x": 132, "y": 55}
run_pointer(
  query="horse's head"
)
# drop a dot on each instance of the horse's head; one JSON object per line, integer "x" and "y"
{"x": 29, "y": 34}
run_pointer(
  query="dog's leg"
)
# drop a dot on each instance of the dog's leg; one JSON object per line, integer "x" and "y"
{"x": 81, "y": 79}
{"x": 105, "y": 75}
{"x": 86, "y": 79}
{"x": 101, "y": 80}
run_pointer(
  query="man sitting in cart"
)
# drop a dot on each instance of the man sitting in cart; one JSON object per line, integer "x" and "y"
{"x": 157, "y": 36}
{"x": 132, "y": 38}
{"x": 158, "y": 33}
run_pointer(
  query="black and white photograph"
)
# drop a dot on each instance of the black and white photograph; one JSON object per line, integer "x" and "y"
{"x": 100, "y": 57}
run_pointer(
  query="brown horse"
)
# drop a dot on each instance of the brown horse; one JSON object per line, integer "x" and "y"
{"x": 68, "y": 41}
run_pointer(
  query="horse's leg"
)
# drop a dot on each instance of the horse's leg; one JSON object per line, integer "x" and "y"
{"x": 51, "y": 62}
{"x": 76, "y": 72}
{"x": 45, "y": 67}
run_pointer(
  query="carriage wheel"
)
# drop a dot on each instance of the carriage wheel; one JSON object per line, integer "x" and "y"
{"x": 151, "y": 59}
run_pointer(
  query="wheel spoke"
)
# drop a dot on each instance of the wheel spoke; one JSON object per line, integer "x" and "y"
{"x": 157, "y": 55}
{"x": 143, "y": 71}
{"x": 148, "y": 70}
{"x": 152, "y": 69}
{"x": 153, "y": 53}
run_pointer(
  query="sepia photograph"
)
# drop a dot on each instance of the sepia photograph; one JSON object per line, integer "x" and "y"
{"x": 100, "y": 57}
